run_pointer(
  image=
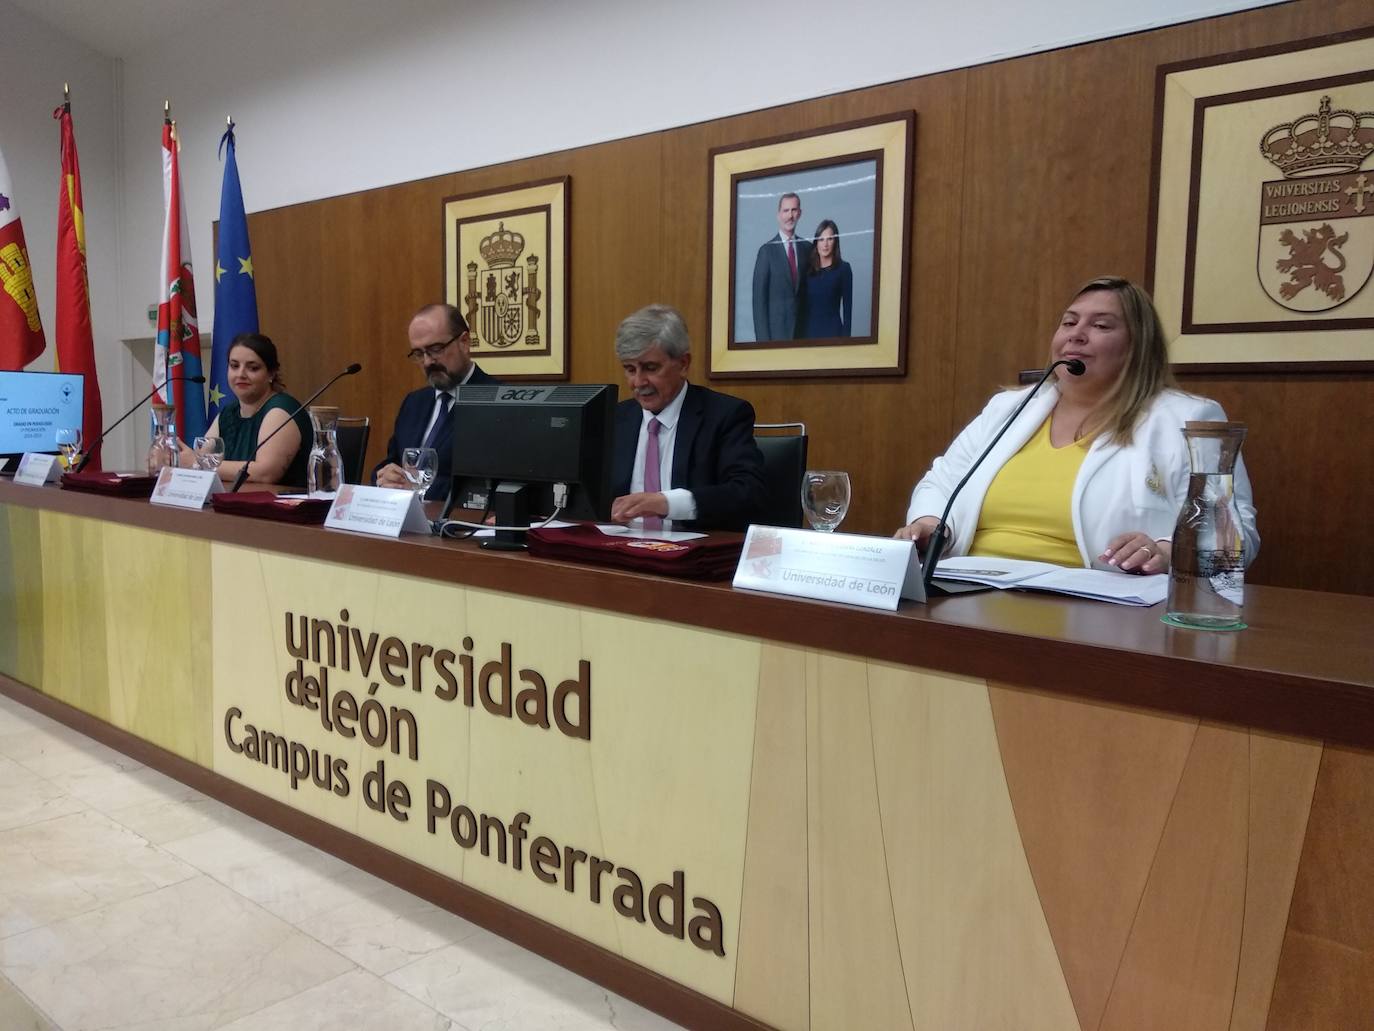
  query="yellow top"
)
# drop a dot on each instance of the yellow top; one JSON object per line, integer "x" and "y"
{"x": 1027, "y": 512}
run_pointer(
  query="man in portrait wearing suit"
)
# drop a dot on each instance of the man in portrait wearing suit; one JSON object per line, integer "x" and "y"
{"x": 778, "y": 273}
{"x": 441, "y": 346}
{"x": 685, "y": 456}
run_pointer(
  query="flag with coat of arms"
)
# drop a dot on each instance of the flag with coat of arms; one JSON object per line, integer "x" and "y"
{"x": 177, "y": 356}
{"x": 75, "y": 338}
{"x": 21, "y": 330}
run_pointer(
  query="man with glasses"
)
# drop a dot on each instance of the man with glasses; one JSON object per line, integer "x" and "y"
{"x": 441, "y": 347}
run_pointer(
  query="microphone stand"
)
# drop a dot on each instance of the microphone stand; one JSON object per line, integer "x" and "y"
{"x": 81, "y": 465}
{"x": 243, "y": 473}
{"x": 939, "y": 539}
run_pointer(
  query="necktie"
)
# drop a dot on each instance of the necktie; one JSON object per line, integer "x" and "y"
{"x": 442, "y": 423}
{"x": 792, "y": 262}
{"x": 653, "y": 480}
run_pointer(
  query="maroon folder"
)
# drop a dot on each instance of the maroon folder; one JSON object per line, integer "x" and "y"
{"x": 706, "y": 558}
{"x": 122, "y": 485}
{"x": 263, "y": 504}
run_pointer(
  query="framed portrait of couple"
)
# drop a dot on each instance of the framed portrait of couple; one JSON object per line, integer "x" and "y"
{"x": 809, "y": 245}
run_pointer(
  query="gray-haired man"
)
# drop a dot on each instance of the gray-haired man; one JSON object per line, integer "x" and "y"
{"x": 685, "y": 456}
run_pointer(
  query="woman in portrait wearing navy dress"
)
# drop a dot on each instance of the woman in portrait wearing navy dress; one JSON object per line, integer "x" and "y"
{"x": 828, "y": 304}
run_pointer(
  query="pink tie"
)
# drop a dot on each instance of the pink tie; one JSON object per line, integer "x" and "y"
{"x": 653, "y": 480}
{"x": 792, "y": 262}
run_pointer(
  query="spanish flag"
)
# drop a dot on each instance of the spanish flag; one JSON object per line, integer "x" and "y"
{"x": 75, "y": 342}
{"x": 21, "y": 331}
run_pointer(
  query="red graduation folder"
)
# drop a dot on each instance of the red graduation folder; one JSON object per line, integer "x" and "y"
{"x": 120, "y": 485}
{"x": 707, "y": 558}
{"x": 263, "y": 504}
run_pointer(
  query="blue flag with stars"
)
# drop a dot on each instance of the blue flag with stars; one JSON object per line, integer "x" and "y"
{"x": 236, "y": 298}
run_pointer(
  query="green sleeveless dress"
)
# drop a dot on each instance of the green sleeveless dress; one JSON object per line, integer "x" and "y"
{"x": 241, "y": 434}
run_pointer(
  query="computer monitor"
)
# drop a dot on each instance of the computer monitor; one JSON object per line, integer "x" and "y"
{"x": 517, "y": 442}
{"x": 34, "y": 406}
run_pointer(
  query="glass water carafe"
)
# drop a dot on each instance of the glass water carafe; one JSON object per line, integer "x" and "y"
{"x": 324, "y": 473}
{"x": 1207, "y": 564}
{"x": 164, "y": 449}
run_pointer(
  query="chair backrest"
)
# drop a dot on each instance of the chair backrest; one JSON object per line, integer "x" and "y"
{"x": 784, "y": 465}
{"x": 352, "y": 438}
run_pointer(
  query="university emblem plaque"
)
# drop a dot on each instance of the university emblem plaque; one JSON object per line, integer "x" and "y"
{"x": 1314, "y": 252}
{"x": 506, "y": 269}
{"x": 1263, "y": 210}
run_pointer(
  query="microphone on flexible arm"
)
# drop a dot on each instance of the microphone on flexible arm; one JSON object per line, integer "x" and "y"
{"x": 101, "y": 439}
{"x": 940, "y": 537}
{"x": 242, "y": 477}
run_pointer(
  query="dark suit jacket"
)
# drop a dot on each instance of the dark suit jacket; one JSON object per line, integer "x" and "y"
{"x": 777, "y": 313}
{"x": 411, "y": 421}
{"x": 714, "y": 456}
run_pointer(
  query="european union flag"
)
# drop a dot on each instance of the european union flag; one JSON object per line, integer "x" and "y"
{"x": 236, "y": 298}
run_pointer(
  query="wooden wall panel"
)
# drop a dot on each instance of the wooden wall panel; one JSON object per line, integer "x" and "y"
{"x": 1090, "y": 818}
{"x": 1326, "y": 969}
{"x": 1187, "y": 932}
{"x": 1031, "y": 175}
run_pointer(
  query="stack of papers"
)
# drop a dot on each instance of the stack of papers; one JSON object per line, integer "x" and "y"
{"x": 1097, "y": 584}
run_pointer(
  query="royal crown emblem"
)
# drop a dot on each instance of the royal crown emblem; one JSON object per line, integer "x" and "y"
{"x": 1316, "y": 224}
{"x": 1324, "y": 143}
{"x": 502, "y": 248}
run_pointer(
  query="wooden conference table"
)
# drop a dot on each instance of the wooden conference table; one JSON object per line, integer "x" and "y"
{"x": 995, "y": 810}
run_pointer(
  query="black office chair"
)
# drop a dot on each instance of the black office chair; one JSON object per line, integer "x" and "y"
{"x": 351, "y": 435}
{"x": 784, "y": 464}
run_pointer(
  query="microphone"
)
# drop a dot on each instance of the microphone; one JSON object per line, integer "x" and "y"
{"x": 100, "y": 439}
{"x": 940, "y": 538}
{"x": 242, "y": 477}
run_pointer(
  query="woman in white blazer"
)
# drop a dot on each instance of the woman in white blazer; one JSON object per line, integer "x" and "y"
{"x": 1134, "y": 477}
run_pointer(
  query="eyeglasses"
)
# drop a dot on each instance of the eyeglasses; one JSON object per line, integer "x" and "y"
{"x": 422, "y": 354}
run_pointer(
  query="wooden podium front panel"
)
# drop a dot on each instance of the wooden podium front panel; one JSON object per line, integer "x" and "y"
{"x": 886, "y": 845}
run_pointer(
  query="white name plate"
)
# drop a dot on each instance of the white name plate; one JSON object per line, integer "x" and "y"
{"x": 383, "y": 511}
{"x": 36, "y": 469}
{"x": 876, "y": 572}
{"x": 184, "y": 488}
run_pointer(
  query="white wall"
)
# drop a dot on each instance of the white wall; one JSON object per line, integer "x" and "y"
{"x": 333, "y": 96}
{"x": 36, "y": 60}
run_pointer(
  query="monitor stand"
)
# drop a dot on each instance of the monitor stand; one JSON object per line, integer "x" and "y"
{"x": 511, "y": 505}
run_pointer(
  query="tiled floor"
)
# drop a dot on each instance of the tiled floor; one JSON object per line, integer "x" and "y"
{"x": 129, "y": 901}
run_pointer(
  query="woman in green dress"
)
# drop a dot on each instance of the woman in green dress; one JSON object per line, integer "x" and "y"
{"x": 260, "y": 406}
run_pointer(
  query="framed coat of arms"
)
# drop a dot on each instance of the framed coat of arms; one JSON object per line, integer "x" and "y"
{"x": 506, "y": 270}
{"x": 1262, "y": 250}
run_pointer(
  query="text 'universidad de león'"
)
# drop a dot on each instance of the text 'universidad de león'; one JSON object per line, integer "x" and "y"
{"x": 394, "y": 730}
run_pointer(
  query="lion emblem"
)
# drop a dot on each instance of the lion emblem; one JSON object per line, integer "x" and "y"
{"x": 1306, "y": 265}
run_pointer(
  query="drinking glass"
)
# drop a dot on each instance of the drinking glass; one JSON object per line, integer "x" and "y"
{"x": 825, "y": 498}
{"x": 69, "y": 443}
{"x": 209, "y": 453}
{"x": 419, "y": 465}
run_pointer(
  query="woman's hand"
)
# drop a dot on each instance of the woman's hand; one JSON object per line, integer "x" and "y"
{"x": 1135, "y": 552}
{"x": 920, "y": 531}
{"x": 186, "y": 458}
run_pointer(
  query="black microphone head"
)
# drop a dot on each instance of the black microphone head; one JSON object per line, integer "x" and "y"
{"x": 1075, "y": 367}
{"x": 353, "y": 369}
{"x": 195, "y": 379}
